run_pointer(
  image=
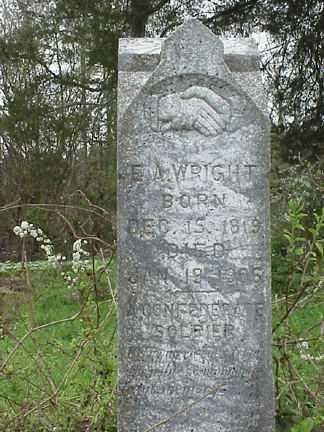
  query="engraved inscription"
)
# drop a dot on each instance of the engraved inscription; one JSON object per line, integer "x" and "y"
{"x": 219, "y": 173}
{"x": 229, "y": 227}
{"x": 148, "y": 226}
{"x": 188, "y": 362}
{"x": 198, "y": 200}
{"x": 203, "y": 249}
{"x": 245, "y": 226}
{"x": 195, "y": 279}
{"x": 207, "y": 320}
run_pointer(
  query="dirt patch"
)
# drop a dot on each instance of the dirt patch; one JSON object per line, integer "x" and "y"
{"x": 12, "y": 284}
{"x": 12, "y": 296}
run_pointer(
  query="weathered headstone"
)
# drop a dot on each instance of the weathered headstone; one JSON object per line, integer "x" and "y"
{"x": 193, "y": 233}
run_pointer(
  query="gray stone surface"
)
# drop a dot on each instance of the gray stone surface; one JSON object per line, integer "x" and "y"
{"x": 193, "y": 235}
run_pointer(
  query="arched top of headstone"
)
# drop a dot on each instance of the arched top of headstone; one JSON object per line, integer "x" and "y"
{"x": 192, "y": 49}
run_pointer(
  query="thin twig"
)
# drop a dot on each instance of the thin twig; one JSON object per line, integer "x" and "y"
{"x": 62, "y": 382}
{"x": 108, "y": 278}
{"x": 52, "y": 208}
{"x": 313, "y": 181}
{"x": 35, "y": 329}
{"x": 304, "y": 384}
{"x": 60, "y": 194}
{"x": 187, "y": 407}
{"x": 29, "y": 292}
{"x": 288, "y": 384}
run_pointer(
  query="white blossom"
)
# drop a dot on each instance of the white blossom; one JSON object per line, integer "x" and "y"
{"x": 78, "y": 265}
{"x": 16, "y": 230}
{"x": 76, "y": 256}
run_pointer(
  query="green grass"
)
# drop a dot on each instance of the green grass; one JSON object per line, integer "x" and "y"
{"x": 75, "y": 360}
{"x": 62, "y": 375}
{"x": 296, "y": 401}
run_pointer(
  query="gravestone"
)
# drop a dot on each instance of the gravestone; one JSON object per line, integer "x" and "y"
{"x": 193, "y": 235}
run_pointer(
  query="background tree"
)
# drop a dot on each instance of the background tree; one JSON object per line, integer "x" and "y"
{"x": 293, "y": 65}
{"x": 58, "y": 105}
{"x": 58, "y": 76}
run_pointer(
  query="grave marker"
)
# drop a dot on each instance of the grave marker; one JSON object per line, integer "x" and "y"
{"x": 193, "y": 235}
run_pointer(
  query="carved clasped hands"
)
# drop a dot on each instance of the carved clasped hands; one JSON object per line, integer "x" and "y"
{"x": 197, "y": 108}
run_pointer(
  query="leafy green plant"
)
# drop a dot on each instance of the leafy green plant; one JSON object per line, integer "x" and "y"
{"x": 298, "y": 324}
{"x": 305, "y": 426}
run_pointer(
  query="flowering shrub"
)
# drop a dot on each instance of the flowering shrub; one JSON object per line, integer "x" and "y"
{"x": 79, "y": 264}
{"x": 58, "y": 366}
{"x": 303, "y": 347}
{"x": 77, "y": 255}
{"x": 27, "y": 229}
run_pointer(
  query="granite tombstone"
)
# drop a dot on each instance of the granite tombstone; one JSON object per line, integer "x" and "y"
{"x": 193, "y": 235}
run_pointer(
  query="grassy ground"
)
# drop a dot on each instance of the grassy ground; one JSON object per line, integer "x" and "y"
{"x": 298, "y": 353}
{"x": 63, "y": 374}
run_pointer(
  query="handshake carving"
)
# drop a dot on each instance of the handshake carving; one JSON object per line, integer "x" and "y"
{"x": 197, "y": 108}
